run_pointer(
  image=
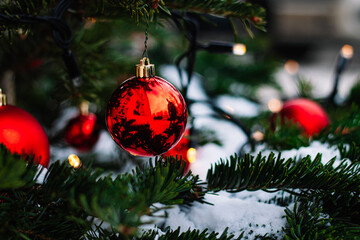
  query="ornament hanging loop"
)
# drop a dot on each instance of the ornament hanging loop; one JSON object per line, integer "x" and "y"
{"x": 145, "y": 53}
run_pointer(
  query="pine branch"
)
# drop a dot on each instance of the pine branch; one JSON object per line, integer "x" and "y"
{"x": 351, "y": 151}
{"x": 14, "y": 170}
{"x": 189, "y": 235}
{"x": 143, "y": 9}
{"x": 261, "y": 173}
{"x": 307, "y": 221}
{"x": 70, "y": 200}
{"x": 122, "y": 201}
{"x": 247, "y": 12}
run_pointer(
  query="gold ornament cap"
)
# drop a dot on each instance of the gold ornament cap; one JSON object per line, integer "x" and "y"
{"x": 84, "y": 108}
{"x": 2, "y": 98}
{"x": 145, "y": 69}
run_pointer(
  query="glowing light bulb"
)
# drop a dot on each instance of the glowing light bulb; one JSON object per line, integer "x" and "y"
{"x": 191, "y": 155}
{"x": 275, "y": 105}
{"x": 239, "y": 49}
{"x": 74, "y": 161}
{"x": 258, "y": 136}
{"x": 347, "y": 51}
{"x": 291, "y": 67}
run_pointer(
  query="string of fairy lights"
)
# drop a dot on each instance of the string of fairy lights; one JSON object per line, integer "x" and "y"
{"x": 62, "y": 35}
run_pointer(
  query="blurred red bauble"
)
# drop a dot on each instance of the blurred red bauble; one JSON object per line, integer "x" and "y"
{"x": 82, "y": 132}
{"x": 21, "y": 133}
{"x": 309, "y": 114}
{"x": 181, "y": 149}
{"x": 146, "y": 115}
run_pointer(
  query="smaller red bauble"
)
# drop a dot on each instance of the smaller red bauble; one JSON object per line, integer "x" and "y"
{"x": 21, "y": 133}
{"x": 82, "y": 132}
{"x": 309, "y": 114}
{"x": 181, "y": 149}
{"x": 146, "y": 115}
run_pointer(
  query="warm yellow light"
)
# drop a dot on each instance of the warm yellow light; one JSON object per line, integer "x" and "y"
{"x": 275, "y": 105}
{"x": 74, "y": 161}
{"x": 230, "y": 109}
{"x": 258, "y": 136}
{"x": 347, "y": 51}
{"x": 239, "y": 49}
{"x": 291, "y": 67}
{"x": 191, "y": 155}
{"x": 89, "y": 22}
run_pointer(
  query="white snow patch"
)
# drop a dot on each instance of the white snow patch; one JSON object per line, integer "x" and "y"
{"x": 238, "y": 106}
{"x": 328, "y": 152}
{"x": 255, "y": 218}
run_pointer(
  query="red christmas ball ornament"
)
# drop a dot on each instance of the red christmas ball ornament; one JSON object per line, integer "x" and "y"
{"x": 183, "y": 149}
{"x": 309, "y": 114}
{"x": 21, "y": 133}
{"x": 146, "y": 115}
{"x": 82, "y": 132}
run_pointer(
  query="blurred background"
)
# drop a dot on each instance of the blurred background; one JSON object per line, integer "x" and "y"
{"x": 298, "y": 56}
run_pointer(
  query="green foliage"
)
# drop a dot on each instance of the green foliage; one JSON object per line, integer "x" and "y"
{"x": 275, "y": 173}
{"x": 351, "y": 151}
{"x": 307, "y": 221}
{"x": 14, "y": 170}
{"x": 285, "y": 134}
{"x": 344, "y": 130}
{"x": 354, "y": 94}
{"x": 70, "y": 200}
{"x": 189, "y": 235}
{"x": 223, "y": 72}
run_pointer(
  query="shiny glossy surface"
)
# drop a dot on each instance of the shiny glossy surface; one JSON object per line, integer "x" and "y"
{"x": 181, "y": 149}
{"x": 82, "y": 132}
{"x": 309, "y": 114}
{"x": 21, "y": 133}
{"x": 146, "y": 116}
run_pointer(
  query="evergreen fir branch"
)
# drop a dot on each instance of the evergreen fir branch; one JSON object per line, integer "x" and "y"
{"x": 282, "y": 134}
{"x": 15, "y": 172}
{"x": 351, "y": 151}
{"x": 307, "y": 221}
{"x": 345, "y": 130}
{"x": 68, "y": 197}
{"x": 121, "y": 201}
{"x": 142, "y": 9}
{"x": 188, "y": 235}
{"x": 261, "y": 173}
{"x": 342, "y": 206}
{"x": 245, "y": 11}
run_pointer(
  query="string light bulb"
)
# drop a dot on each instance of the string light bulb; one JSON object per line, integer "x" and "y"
{"x": 191, "y": 155}
{"x": 291, "y": 67}
{"x": 239, "y": 49}
{"x": 275, "y": 105}
{"x": 74, "y": 161}
{"x": 347, "y": 51}
{"x": 258, "y": 136}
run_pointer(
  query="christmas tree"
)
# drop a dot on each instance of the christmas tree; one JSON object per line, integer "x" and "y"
{"x": 287, "y": 172}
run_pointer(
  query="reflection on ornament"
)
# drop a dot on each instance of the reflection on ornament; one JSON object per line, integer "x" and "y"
{"x": 21, "y": 133}
{"x": 146, "y": 115}
{"x": 74, "y": 161}
{"x": 310, "y": 115}
{"x": 183, "y": 150}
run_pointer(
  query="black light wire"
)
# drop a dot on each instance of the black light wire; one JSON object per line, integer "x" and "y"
{"x": 191, "y": 29}
{"x": 61, "y": 31}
